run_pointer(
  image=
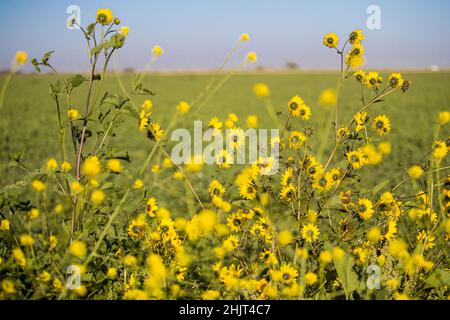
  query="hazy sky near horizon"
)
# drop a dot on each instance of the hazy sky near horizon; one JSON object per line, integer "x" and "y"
{"x": 197, "y": 34}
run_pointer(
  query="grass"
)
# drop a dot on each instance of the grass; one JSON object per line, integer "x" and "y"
{"x": 28, "y": 121}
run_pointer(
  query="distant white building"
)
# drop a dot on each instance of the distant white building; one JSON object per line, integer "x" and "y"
{"x": 434, "y": 68}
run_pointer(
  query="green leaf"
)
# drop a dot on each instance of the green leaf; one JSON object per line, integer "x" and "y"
{"x": 379, "y": 187}
{"x": 97, "y": 49}
{"x": 439, "y": 278}
{"x": 47, "y": 57}
{"x": 35, "y": 63}
{"x": 131, "y": 111}
{"x": 77, "y": 80}
{"x": 344, "y": 269}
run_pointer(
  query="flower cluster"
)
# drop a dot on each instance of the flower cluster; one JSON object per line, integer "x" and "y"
{"x": 229, "y": 232}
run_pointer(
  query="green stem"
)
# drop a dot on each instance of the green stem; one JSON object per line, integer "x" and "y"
{"x": 4, "y": 87}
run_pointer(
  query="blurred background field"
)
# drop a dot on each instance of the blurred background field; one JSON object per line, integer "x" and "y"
{"x": 29, "y": 118}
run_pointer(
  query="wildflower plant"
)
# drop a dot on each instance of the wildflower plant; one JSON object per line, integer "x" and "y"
{"x": 225, "y": 231}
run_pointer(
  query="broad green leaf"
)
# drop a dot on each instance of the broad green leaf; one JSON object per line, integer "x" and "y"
{"x": 379, "y": 187}
{"x": 77, "y": 80}
{"x": 439, "y": 278}
{"x": 344, "y": 269}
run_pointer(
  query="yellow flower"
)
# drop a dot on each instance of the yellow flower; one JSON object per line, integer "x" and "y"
{"x": 97, "y": 197}
{"x": 207, "y": 221}
{"x": 374, "y": 234}
{"x": 298, "y": 108}
{"x": 152, "y": 207}
{"x": 252, "y": 57}
{"x": 440, "y": 150}
{"x": 81, "y": 291}
{"x": 111, "y": 273}
{"x": 328, "y": 98}
{"x": 5, "y": 225}
{"x": 137, "y": 227}
{"x": 178, "y": 175}
{"x": 211, "y": 295}
{"x": 156, "y": 167}
{"x": 34, "y": 213}
{"x": 53, "y": 242}
{"x": 104, "y": 16}
{"x": 26, "y": 240}
{"x": 365, "y": 208}
{"x": 261, "y": 90}
{"x": 57, "y": 284}
{"x": 21, "y": 57}
{"x": 357, "y": 50}
{"x": 66, "y": 166}
{"x": 167, "y": 163}
{"x": 356, "y": 159}
{"x": 323, "y": 182}
{"x": 114, "y": 165}
{"x": 252, "y": 121}
{"x": 354, "y": 61}
{"x": 147, "y": 105}
{"x": 216, "y": 189}
{"x": 360, "y": 118}
{"x": 338, "y": 253}
{"x": 285, "y": 238}
{"x": 195, "y": 164}
{"x": 44, "y": 276}
{"x": 19, "y": 256}
{"x": 286, "y": 274}
{"x": 382, "y": 125}
{"x": 91, "y": 167}
{"x": 73, "y": 113}
{"x": 391, "y": 230}
{"x": 157, "y": 51}
{"x": 384, "y": 148}
{"x": 360, "y": 76}
{"x": 443, "y": 118}
{"x": 373, "y": 79}
{"x": 183, "y": 107}
{"x": 415, "y": 172}
{"x": 138, "y": 184}
{"x": 76, "y": 187}
{"x": 392, "y": 284}
{"x": 330, "y": 40}
{"x": 398, "y": 248}
{"x": 130, "y": 261}
{"x": 310, "y": 233}
{"x": 325, "y": 257}
{"x": 52, "y": 164}
{"x": 296, "y": 140}
{"x": 124, "y": 31}
{"x": 381, "y": 260}
{"x": 356, "y": 37}
{"x": 426, "y": 238}
{"x": 244, "y": 37}
{"x": 38, "y": 185}
{"x": 157, "y": 270}
{"x": 288, "y": 193}
{"x": 310, "y": 278}
{"x": 215, "y": 124}
{"x": 155, "y": 132}
{"x": 78, "y": 248}
{"x": 233, "y": 117}
{"x": 396, "y": 80}
{"x": 8, "y": 286}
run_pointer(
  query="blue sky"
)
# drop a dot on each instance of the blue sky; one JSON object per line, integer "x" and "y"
{"x": 197, "y": 34}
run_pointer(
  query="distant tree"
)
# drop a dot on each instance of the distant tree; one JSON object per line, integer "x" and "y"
{"x": 291, "y": 65}
{"x": 128, "y": 70}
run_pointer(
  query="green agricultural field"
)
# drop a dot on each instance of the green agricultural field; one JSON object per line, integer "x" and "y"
{"x": 29, "y": 117}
